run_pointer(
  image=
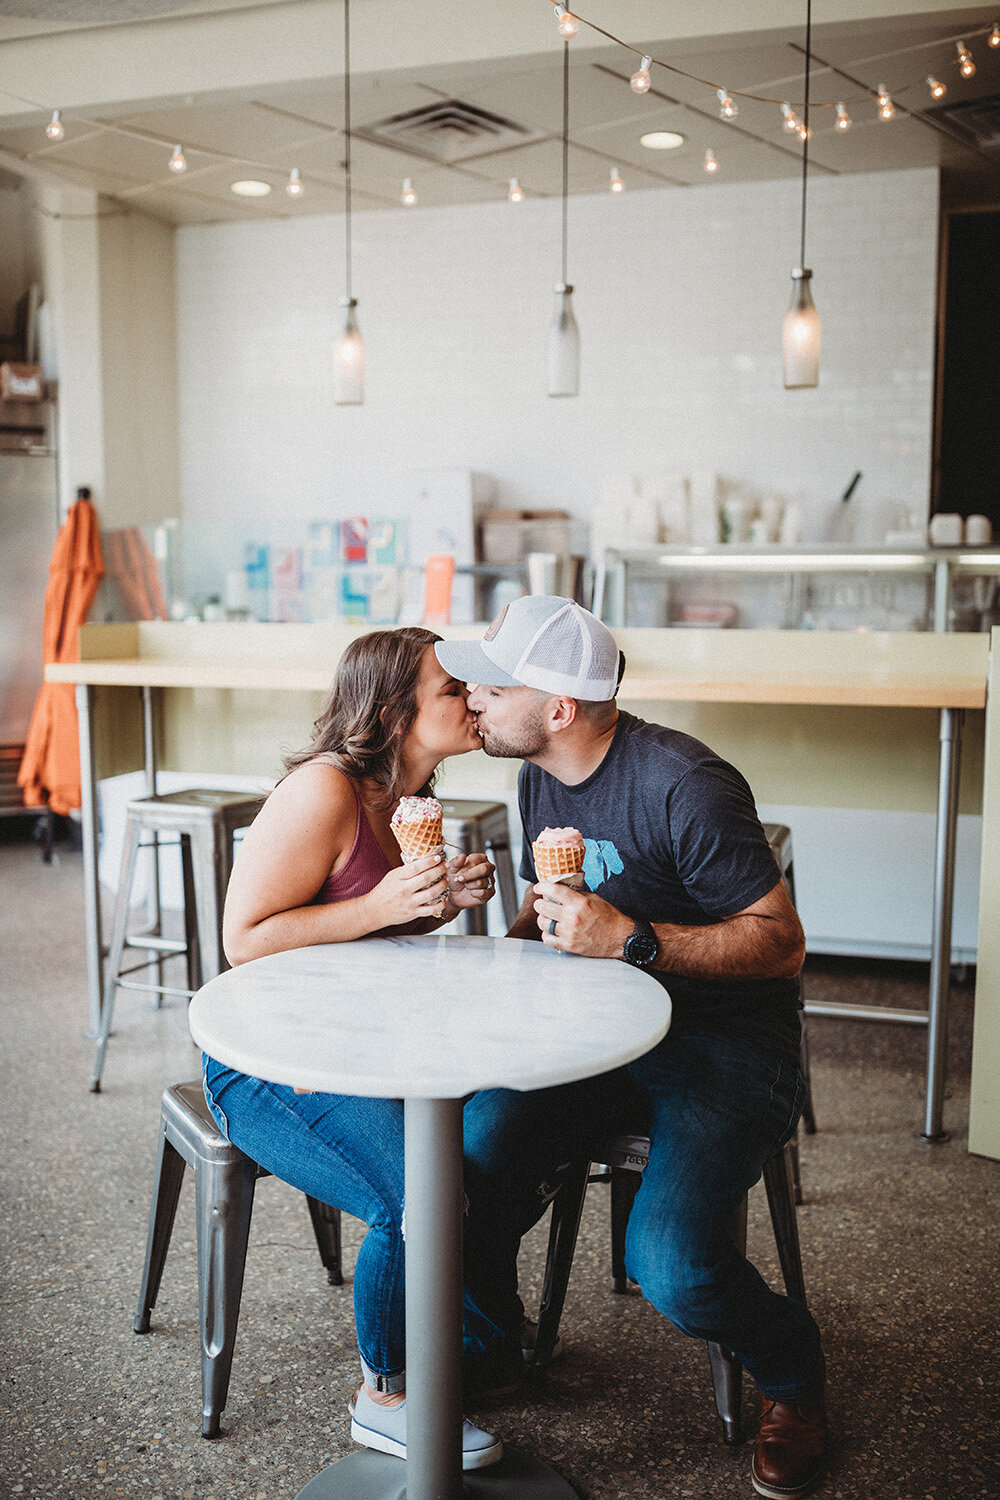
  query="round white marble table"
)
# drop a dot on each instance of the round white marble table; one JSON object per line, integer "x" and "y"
{"x": 429, "y": 1020}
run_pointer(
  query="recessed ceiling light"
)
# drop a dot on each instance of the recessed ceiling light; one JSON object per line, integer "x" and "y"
{"x": 250, "y": 189}
{"x": 662, "y": 140}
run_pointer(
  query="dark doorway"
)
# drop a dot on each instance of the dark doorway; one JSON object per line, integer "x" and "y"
{"x": 967, "y": 460}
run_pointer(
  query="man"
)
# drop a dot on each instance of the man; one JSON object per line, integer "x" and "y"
{"x": 680, "y": 881}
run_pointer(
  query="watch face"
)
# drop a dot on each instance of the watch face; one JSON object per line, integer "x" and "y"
{"x": 641, "y": 947}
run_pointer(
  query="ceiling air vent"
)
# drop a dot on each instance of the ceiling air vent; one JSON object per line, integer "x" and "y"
{"x": 447, "y": 132}
{"x": 978, "y": 118}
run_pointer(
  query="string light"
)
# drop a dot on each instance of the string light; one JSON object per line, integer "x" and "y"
{"x": 55, "y": 129}
{"x": 177, "y": 161}
{"x": 567, "y": 24}
{"x": 728, "y": 107}
{"x": 711, "y": 165}
{"x": 938, "y": 90}
{"x": 515, "y": 192}
{"x": 804, "y": 131}
{"x": 790, "y": 121}
{"x": 994, "y": 37}
{"x": 966, "y": 66}
{"x": 294, "y": 189}
{"x": 640, "y": 81}
{"x": 886, "y": 108}
{"x": 408, "y": 196}
{"x": 843, "y": 121}
{"x": 617, "y": 185}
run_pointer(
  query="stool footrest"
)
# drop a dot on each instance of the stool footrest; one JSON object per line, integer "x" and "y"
{"x": 155, "y": 989}
{"x": 155, "y": 943}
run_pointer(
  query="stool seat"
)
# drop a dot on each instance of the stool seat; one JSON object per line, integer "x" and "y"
{"x": 483, "y": 826}
{"x": 225, "y": 1178}
{"x": 205, "y": 821}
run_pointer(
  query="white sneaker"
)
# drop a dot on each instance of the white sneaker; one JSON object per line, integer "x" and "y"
{"x": 384, "y": 1428}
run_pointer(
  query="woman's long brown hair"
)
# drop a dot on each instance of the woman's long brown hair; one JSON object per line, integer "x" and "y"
{"x": 370, "y": 708}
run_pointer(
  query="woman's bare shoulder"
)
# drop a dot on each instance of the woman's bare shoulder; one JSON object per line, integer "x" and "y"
{"x": 316, "y": 788}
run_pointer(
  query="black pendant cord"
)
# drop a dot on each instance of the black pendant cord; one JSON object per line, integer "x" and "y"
{"x": 565, "y": 158}
{"x": 805, "y": 135}
{"x": 347, "y": 142}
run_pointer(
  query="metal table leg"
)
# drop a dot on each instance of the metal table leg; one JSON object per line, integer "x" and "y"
{"x": 91, "y": 877}
{"x": 433, "y": 1468}
{"x": 149, "y": 765}
{"x": 944, "y": 892}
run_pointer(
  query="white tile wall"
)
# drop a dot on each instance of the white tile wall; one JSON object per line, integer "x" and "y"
{"x": 680, "y": 296}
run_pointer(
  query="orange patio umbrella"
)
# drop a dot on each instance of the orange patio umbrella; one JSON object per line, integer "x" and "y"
{"x": 50, "y": 766}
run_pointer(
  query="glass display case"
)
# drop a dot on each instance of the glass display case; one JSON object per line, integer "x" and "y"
{"x": 815, "y": 588}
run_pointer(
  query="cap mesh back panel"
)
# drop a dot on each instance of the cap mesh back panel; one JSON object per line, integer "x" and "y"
{"x": 561, "y": 648}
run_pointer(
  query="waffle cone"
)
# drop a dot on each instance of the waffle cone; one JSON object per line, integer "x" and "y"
{"x": 553, "y": 860}
{"x": 419, "y": 838}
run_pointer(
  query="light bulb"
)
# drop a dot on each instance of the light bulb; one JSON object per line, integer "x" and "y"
{"x": 800, "y": 336}
{"x": 408, "y": 196}
{"x": 177, "y": 162}
{"x": 804, "y": 131}
{"x": 640, "y": 81}
{"x": 994, "y": 37}
{"x": 938, "y": 90}
{"x": 349, "y": 359}
{"x": 728, "y": 107}
{"x": 711, "y": 165}
{"x": 843, "y": 121}
{"x": 886, "y": 108}
{"x": 617, "y": 185}
{"x": 790, "y": 122}
{"x": 566, "y": 23}
{"x": 966, "y": 66}
{"x": 564, "y": 346}
{"x": 294, "y": 187}
{"x": 55, "y": 129}
{"x": 516, "y": 192}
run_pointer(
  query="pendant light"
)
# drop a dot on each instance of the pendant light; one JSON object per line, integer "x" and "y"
{"x": 564, "y": 336}
{"x": 349, "y": 349}
{"x": 800, "y": 329}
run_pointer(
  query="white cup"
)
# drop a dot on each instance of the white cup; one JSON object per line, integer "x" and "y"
{"x": 978, "y": 531}
{"x": 541, "y": 568}
{"x": 945, "y": 530}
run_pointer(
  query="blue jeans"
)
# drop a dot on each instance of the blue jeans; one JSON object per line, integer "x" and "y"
{"x": 347, "y": 1152}
{"x": 716, "y": 1107}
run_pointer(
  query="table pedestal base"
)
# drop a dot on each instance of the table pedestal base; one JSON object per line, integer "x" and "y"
{"x": 377, "y": 1476}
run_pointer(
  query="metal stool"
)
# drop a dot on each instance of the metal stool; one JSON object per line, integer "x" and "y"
{"x": 224, "y": 1181}
{"x": 779, "y": 836}
{"x": 483, "y": 826}
{"x": 205, "y": 822}
{"x": 627, "y": 1155}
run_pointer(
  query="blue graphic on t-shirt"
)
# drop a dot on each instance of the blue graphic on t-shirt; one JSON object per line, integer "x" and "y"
{"x": 601, "y": 860}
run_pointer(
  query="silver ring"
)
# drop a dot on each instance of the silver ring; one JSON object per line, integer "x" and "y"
{"x": 552, "y": 927}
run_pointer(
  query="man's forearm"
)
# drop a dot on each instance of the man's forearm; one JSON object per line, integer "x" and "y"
{"x": 746, "y": 946}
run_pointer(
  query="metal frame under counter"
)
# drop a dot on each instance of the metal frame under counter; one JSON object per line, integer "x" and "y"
{"x": 939, "y": 568}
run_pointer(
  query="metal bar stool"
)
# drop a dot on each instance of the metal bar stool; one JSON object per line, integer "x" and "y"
{"x": 205, "y": 822}
{"x": 779, "y": 836}
{"x": 483, "y": 826}
{"x": 627, "y": 1155}
{"x": 224, "y": 1178}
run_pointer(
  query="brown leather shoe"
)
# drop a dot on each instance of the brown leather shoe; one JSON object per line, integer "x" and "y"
{"x": 790, "y": 1456}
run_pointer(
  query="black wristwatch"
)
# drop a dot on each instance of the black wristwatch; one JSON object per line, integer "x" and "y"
{"x": 641, "y": 947}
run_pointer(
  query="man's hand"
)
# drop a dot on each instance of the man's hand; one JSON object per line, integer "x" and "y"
{"x": 584, "y": 923}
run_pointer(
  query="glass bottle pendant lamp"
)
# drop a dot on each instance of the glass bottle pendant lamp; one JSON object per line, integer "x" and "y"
{"x": 564, "y": 335}
{"x": 564, "y": 345}
{"x": 800, "y": 335}
{"x": 349, "y": 358}
{"x": 800, "y": 328}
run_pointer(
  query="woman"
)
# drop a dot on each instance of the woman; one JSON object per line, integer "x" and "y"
{"x": 321, "y": 865}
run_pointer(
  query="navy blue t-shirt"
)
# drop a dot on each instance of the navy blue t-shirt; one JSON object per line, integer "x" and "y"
{"x": 672, "y": 835}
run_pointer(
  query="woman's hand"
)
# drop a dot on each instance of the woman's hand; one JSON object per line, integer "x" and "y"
{"x": 409, "y": 893}
{"x": 470, "y": 881}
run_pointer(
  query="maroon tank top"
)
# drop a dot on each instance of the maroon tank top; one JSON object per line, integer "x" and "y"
{"x": 366, "y": 865}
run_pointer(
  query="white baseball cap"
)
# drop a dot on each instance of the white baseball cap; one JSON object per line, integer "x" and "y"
{"x": 540, "y": 641}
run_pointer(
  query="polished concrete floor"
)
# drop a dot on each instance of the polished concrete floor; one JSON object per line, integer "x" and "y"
{"x": 899, "y": 1246}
